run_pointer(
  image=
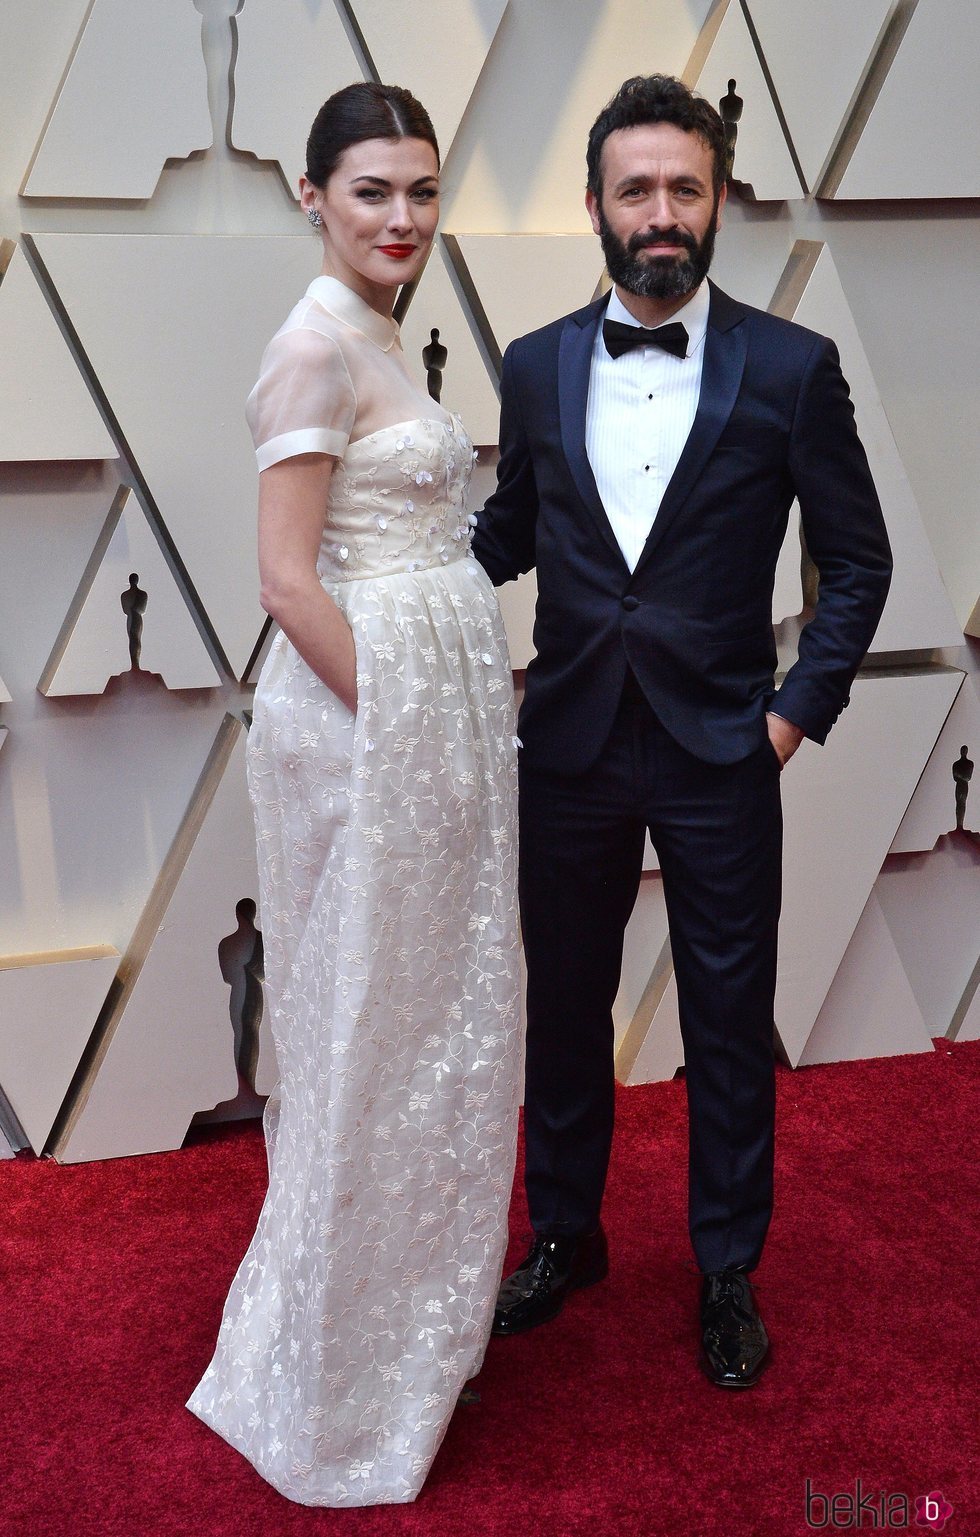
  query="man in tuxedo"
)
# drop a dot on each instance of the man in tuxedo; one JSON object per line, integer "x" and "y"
{"x": 651, "y": 447}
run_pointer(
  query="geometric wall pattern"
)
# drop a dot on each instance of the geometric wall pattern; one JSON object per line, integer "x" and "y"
{"x": 918, "y": 614}
{"x": 149, "y": 272}
{"x": 114, "y": 619}
{"x": 139, "y": 306}
{"x": 46, "y": 412}
{"x": 908, "y": 148}
{"x": 47, "y": 1005}
{"x": 134, "y": 95}
{"x": 834, "y": 43}
{"x": 469, "y": 382}
{"x": 436, "y": 48}
{"x": 523, "y": 281}
{"x": 933, "y": 811}
{"x": 763, "y": 157}
{"x": 290, "y": 57}
{"x": 150, "y": 1075}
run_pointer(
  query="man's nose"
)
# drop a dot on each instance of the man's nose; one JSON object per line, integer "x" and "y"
{"x": 660, "y": 210}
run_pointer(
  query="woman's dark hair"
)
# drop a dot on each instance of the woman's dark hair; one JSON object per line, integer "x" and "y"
{"x": 657, "y": 99}
{"x": 365, "y": 110}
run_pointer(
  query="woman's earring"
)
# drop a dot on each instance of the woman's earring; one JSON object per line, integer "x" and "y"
{"x": 315, "y": 217}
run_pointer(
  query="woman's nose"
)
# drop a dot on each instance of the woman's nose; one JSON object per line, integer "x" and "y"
{"x": 399, "y": 215}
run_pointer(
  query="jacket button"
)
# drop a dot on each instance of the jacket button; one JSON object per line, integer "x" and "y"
{"x": 630, "y": 603}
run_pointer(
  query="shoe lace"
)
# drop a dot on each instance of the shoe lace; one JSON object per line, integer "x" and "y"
{"x": 731, "y": 1285}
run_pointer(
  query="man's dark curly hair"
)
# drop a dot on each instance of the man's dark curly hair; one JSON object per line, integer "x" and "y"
{"x": 657, "y": 99}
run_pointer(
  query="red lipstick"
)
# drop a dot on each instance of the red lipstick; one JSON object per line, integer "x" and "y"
{"x": 399, "y": 252}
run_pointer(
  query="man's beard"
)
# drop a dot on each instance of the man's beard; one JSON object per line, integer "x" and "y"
{"x": 657, "y": 277}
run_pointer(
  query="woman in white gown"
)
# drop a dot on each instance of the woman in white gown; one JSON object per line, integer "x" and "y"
{"x": 382, "y": 771}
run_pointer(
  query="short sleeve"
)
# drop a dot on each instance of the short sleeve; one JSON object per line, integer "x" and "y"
{"x": 303, "y": 402}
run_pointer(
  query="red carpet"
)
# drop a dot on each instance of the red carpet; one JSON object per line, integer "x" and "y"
{"x": 113, "y": 1276}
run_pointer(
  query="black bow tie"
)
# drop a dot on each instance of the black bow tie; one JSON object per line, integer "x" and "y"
{"x": 620, "y": 338}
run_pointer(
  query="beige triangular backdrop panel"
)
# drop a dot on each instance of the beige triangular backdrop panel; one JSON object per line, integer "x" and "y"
{"x": 643, "y": 1054}
{"x": 932, "y": 809}
{"x": 525, "y": 281}
{"x": 787, "y": 591}
{"x": 46, "y": 411}
{"x": 922, "y": 137}
{"x": 93, "y": 646}
{"x": 967, "y": 1027}
{"x": 140, "y": 305}
{"x": 931, "y": 904}
{"x": 290, "y": 57}
{"x": 436, "y": 48}
{"x": 134, "y": 96}
{"x": 468, "y": 387}
{"x": 870, "y": 1010}
{"x": 818, "y": 55}
{"x": 48, "y": 1004}
{"x": 762, "y": 158}
{"x": 918, "y": 613}
{"x": 4, "y": 695}
{"x": 842, "y": 804}
{"x": 169, "y": 1051}
{"x": 518, "y": 159}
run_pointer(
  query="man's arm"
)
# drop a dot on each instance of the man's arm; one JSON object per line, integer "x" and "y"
{"x": 503, "y": 541}
{"x": 846, "y": 538}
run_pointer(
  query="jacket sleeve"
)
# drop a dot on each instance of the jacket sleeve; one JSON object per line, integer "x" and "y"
{"x": 504, "y": 538}
{"x": 845, "y": 535}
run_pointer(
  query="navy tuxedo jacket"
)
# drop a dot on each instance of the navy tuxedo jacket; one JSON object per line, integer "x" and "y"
{"x": 694, "y": 620}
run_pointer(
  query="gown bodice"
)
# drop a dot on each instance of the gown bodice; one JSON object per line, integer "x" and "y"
{"x": 397, "y": 501}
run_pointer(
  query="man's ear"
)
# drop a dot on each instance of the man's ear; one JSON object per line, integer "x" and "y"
{"x": 722, "y": 200}
{"x": 592, "y": 204}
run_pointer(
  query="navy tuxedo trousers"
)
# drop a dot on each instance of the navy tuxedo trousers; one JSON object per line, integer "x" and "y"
{"x": 717, "y": 830}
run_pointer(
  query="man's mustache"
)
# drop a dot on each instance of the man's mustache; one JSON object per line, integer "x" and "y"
{"x": 653, "y": 237}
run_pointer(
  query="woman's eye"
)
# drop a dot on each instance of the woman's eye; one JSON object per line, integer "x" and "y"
{"x": 425, "y": 194}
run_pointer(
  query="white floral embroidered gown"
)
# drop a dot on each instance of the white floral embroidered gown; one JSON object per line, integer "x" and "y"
{"x": 387, "y": 851}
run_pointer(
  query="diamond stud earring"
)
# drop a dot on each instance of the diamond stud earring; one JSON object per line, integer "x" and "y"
{"x": 315, "y": 217}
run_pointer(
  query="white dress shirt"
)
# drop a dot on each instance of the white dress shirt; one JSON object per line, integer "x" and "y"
{"x": 640, "y": 412}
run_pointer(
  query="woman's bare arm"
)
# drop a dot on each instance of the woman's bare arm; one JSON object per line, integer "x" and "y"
{"x": 292, "y": 498}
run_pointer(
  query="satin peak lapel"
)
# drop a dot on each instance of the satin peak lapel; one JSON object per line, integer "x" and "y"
{"x": 725, "y": 345}
{"x": 574, "y": 370}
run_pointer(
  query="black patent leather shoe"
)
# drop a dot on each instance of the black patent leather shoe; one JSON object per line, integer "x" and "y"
{"x": 734, "y": 1342}
{"x": 555, "y": 1266}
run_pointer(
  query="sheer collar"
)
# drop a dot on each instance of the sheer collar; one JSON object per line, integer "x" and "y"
{"x": 342, "y": 302}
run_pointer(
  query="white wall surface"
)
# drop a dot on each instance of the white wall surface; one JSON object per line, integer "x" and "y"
{"x": 92, "y": 790}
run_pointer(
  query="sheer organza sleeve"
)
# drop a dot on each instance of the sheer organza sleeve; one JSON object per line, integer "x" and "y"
{"x": 304, "y": 400}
